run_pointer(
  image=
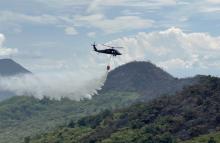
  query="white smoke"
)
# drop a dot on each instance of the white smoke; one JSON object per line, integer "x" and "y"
{"x": 54, "y": 86}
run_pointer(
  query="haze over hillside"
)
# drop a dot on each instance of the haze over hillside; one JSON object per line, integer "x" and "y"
{"x": 115, "y": 94}
{"x": 144, "y": 78}
{"x": 9, "y": 67}
{"x": 48, "y": 83}
{"x": 109, "y": 71}
{"x": 168, "y": 119}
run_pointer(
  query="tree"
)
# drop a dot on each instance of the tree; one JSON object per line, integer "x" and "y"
{"x": 71, "y": 124}
{"x": 211, "y": 140}
{"x": 27, "y": 140}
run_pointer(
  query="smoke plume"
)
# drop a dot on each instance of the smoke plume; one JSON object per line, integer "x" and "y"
{"x": 54, "y": 86}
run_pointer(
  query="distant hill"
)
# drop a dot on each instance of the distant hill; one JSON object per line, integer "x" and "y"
{"x": 144, "y": 78}
{"x": 8, "y": 67}
{"x": 168, "y": 119}
{"x": 125, "y": 85}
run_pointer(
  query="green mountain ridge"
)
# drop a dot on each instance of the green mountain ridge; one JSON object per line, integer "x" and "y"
{"x": 169, "y": 119}
{"x": 146, "y": 79}
{"x": 208, "y": 138}
{"x": 27, "y": 116}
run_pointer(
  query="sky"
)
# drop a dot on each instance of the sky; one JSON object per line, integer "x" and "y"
{"x": 180, "y": 36}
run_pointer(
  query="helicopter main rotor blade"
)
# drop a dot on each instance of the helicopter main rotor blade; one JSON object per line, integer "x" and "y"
{"x": 107, "y": 46}
{"x": 112, "y": 46}
{"x": 118, "y": 47}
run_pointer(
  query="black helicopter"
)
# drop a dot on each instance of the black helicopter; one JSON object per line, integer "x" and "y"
{"x": 111, "y": 50}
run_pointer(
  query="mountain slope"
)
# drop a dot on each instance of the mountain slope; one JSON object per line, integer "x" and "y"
{"x": 188, "y": 114}
{"x": 26, "y": 116}
{"x": 146, "y": 79}
{"x": 208, "y": 138}
{"x": 9, "y": 67}
{"x": 135, "y": 76}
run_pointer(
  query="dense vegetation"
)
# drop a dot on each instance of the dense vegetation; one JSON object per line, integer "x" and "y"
{"x": 146, "y": 79}
{"x": 27, "y": 116}
{"x": 169, "y": 119}
{"x": 208, "y": 138}
{"x": 132, "y": 82}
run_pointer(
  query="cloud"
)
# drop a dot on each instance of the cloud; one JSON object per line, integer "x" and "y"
{"x": 63, "y": 3}
{"x": 117, "y": 24}
{"x": 108, "y": 23}
{"x": 15, "y": 19}
{"x": 70, "y": 31}
{"x": 172, "y": 49}
{"x": 5, "y": 51}
{"x": 131, "y": 12}
{"x": 96, "y": 4}
{"x": 99, "y": 21}
{"x": 206, "y": 6}
{"x": 213, "y": 1}
{"x": 12, "y": 17}
{"x": 93, "y": 4}
{"x": 91, "y": 34}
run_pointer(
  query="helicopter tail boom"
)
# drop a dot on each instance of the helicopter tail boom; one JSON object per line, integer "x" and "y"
{"x": 94, "y": 47}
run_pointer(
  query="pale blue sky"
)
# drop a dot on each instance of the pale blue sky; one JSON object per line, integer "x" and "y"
{"x": 56, "y": 35}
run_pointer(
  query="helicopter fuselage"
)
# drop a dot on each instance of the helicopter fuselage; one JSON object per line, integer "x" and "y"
{"x": 110, "y": 51}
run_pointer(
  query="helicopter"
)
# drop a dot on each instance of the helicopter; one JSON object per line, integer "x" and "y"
{"x": 111, "y": 50}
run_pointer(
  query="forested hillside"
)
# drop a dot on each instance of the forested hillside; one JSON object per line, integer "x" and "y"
{"x": 127, "y": 84}
{"x": 169, "y": 119}
{"x": 208, "y": 138}
{"x": 130, "y": 83}
{"x": 146, "y": 79}
{"x": 27, "y": 116}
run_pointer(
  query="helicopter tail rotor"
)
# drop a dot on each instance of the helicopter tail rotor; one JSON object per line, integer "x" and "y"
{"x": 94, "y": 46}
